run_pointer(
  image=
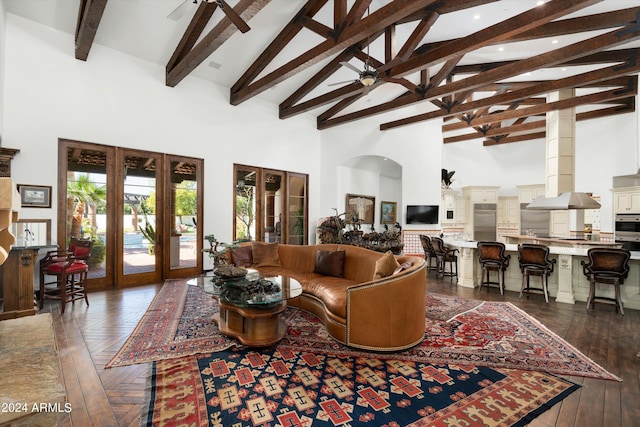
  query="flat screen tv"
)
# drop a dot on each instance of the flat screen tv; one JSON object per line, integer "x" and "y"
{"x": 422, "y": 214}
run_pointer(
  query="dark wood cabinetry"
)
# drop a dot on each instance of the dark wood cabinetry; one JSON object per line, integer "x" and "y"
{"x": 16, "y": 276}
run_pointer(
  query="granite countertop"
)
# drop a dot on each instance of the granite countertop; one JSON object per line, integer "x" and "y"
{"x": 563, "y": 241}
{"x": 577, "y": 250}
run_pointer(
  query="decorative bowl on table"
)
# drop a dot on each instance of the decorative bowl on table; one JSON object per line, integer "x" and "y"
{"x": 230, "y": 272}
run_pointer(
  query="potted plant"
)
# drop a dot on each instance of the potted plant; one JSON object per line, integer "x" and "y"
{"x": 218, "y": 250}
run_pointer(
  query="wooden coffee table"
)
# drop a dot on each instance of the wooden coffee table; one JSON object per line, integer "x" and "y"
{"x": 254, "y": 321}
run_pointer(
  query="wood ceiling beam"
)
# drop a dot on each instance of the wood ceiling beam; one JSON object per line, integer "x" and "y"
{"x": 188, "y": 62}
{"x": 627, "y": 107}
{"x": 595, "y": 22}
{"x": 487, "y": 36}
{"x": 295, "y": 25}
{"x": 89, "y": 16}
{"x": 373, "y": 23}
{"x": 554, "y": 57}
{"x": 603, "y": 57}
{"x": 603, "y": 75}
{"x": 318, "y": 28}
{"x": 503, "y": 72}
{"x": 444, "y": 7}
{"x": 288, "y": 108}
{"x": 525, "y": 127}
{"x": 200, "y": 19}
{"x": 416, "y": 36}
{"x": 593, "y": 98}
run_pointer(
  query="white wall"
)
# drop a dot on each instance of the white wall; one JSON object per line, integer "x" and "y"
{"x": 417, "y": 149}
{"x": 118, "y": 100}
{"x": 115, "y": 99}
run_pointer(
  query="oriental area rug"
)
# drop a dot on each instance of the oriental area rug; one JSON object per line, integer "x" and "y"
{"x": 283, "y": 387}
{"x": 458, "y": 331}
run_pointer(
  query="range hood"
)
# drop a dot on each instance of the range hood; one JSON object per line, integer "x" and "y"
{"x": 569, "y": 200}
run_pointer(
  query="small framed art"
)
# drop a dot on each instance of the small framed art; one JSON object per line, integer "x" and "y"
{"x": 361, "y": 208}
{"x": 35, "y": 196}
{"x": 388, "y": 212}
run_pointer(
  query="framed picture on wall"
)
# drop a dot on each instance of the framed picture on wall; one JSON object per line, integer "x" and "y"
{"x": 35, "y": 196}
{"x": 359, "y": 207}
{"x": 388, "y": 212}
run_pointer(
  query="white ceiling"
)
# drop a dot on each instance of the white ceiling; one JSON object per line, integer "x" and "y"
{"x": 145, "y": 29}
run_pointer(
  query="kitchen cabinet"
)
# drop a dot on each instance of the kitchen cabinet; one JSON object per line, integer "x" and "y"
{"x": 453, "y": 207}
{"x": 508, "y": 213}
{"x": 626, "y": 200}
{"x": 528, "y": 193}
{"x": 482, "y": 194}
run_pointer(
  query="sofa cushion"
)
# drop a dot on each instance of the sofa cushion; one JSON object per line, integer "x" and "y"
{"x": 265, "y": 254}
{"x": 385, "y": 266}
{"x": 330, "y": 263}
{"x": 242, "y": 256}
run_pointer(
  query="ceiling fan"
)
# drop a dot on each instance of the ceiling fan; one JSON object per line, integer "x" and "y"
{"x": 223, "y": 5}
{"x": 366, "y": 76}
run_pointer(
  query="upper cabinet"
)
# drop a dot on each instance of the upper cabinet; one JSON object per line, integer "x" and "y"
{"x": 626, "y": 200}
{"x": 528, "y": 193}
{"x": 482, "y": 194}
{"x": 453, "y": 209}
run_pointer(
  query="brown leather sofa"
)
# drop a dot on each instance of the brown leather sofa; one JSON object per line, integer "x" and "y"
{"x": 380, "y": 314}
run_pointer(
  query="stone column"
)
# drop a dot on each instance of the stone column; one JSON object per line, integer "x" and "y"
{"x": 560, "y": 178}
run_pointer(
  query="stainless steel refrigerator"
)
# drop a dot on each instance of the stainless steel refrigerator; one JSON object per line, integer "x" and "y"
{"x": 534, "y": 220}
{"x": 484, "y": 222}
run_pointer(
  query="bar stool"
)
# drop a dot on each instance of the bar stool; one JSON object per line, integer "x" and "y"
{"x": 429, "y": 253}
{"x": 444, "y": 256}
{"x": 608, "y": 266}
{"x": 70, "y": 269}
{"x": 534, "y": 261}
{"x": 493, "y": 259}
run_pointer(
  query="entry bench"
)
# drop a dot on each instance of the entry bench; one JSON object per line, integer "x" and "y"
{"x": 365, "y": 299}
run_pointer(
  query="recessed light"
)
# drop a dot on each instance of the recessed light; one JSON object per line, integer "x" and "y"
{"x": 501, "y": 49}
{"x": 476, "y": 17}
{"x": 554, "y": 41}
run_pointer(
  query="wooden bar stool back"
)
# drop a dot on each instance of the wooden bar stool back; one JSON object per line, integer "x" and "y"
{"x": 445, "y": 256}
{"x": 429, "y": 253}
{"x": 492, "y": 259}
{"x": 608, "y": 266}
{"x": 70, "y": 269}
{"x": 534, "y": 261}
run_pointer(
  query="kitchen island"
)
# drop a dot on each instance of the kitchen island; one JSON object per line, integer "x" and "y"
{"x": 567, "y": 283}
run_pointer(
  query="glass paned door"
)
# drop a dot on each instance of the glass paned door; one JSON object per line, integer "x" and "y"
{"x": 247, "y": 204}
{"x": 86, "y": 213}
{"x": 273, "y": 194}
{"x": 183, "y": 181}
{"x": 140, "y": 248}
{"x": 297, "y": 205}
{"x": 85, "y": 185}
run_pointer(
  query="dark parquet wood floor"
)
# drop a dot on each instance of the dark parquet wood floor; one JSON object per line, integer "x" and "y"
{"x": 89, "y": 336}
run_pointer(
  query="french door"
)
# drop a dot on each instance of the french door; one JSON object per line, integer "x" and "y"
{"x": 270, "y": 205}
{"x": 142, "y": 210}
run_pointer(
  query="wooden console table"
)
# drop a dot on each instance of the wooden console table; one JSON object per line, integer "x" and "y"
{"x": 17, "y": 280}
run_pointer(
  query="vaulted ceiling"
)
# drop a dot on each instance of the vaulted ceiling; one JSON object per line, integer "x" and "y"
{"x": 483, "y": 66}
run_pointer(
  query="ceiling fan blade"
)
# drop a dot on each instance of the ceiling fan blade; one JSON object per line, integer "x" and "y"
{"x": 233, "y": 16}
{"x": 179, "y": 11}
{"x": 352, "y": 67}
{"x": 342, "y": 83}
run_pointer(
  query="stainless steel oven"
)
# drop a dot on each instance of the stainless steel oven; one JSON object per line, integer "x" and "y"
{"x": 628, "y": 231}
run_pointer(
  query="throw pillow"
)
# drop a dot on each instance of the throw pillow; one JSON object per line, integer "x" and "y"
{"x": 330, "y": 263}
{"x": 265, "y": 254}
{"x": 385, "y": 266}
{"x": 403, "y": 267}
{"x": 242, "y": 256}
